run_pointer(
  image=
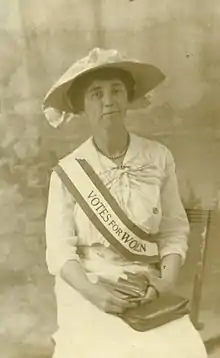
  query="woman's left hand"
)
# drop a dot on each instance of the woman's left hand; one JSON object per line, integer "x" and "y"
{"x": 157, "y": 288}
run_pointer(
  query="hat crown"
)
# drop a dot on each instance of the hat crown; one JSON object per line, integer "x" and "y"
{"x": 99, "y": 56}
{"x": 103, "y": 56}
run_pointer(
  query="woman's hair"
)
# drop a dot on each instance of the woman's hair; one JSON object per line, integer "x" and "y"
{"x": 76, "y": 92}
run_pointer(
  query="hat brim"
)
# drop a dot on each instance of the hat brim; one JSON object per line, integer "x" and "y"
{"x": 146, "y": 77}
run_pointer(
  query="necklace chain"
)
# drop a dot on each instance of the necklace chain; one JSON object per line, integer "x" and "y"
{"x": 118, "y": 156}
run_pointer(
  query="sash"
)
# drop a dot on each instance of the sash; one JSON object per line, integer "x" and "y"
{"x": 103, "y": 211}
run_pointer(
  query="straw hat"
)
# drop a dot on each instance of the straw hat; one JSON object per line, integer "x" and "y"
{"x": 145, "y": 75}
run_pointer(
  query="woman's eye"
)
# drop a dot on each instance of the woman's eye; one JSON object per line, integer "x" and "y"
{"x": 96, "y": 95}
{"x": 116, "y": 91}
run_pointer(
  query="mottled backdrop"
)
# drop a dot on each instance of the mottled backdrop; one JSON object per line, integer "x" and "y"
{"x": 38, "y": 41}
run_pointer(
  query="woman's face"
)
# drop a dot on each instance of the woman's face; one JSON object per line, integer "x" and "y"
{"x": 105, "y": 104}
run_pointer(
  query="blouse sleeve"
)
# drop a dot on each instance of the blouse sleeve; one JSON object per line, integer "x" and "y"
{"x": 61, "y": 238}
{"x": 174, "y": 227}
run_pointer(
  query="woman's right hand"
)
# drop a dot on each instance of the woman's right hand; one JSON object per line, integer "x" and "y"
{"x": 100, "y": 294}
{"x": 108, "y": 300}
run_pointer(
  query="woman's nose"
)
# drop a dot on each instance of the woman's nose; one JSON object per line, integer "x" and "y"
{"x": 107, "y": 99}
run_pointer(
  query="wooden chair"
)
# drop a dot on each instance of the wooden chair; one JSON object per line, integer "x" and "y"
{"x": 203, "y": 217}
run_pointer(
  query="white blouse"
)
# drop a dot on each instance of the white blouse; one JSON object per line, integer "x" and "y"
{"x": 145, "y": 187}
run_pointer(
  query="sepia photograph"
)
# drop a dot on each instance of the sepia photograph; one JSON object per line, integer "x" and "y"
{"x": 110, "y": 179}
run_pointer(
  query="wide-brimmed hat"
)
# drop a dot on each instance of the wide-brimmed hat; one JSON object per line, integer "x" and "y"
{"x": 145, "y": 75}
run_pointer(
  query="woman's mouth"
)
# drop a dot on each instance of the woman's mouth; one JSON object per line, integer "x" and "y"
{"x": 110, "y": 113}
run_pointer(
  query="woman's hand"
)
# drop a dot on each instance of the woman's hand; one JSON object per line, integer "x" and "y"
{"x": 157, "y": 288}
{"x": 108, "y": 300}
{"x": 105, "y": 297}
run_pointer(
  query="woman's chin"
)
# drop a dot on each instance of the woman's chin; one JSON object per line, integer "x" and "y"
{"x": 111, "y": 121}
{"x": 111, "y": 128}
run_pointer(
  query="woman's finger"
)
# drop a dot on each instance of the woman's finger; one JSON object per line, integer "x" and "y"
{"x": 115, "y": 306}
{"x": 119, "y": 302}
{"x": 115, "y": 309}
{"x": 150, "y": 295}
{"x": 122, "y": 303}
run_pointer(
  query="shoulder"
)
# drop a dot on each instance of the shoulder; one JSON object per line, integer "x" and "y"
{"x": 67, "y": 163}
{"x": 155, "y": 150}
{"x": 79, "y": 152}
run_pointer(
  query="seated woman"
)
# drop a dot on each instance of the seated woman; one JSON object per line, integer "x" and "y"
{"x": 115, "y": 218}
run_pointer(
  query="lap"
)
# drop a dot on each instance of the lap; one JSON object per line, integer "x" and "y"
{"x": 111, "y": 337}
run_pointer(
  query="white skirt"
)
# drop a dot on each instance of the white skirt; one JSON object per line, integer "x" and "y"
{"x": 87, "y": 332}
